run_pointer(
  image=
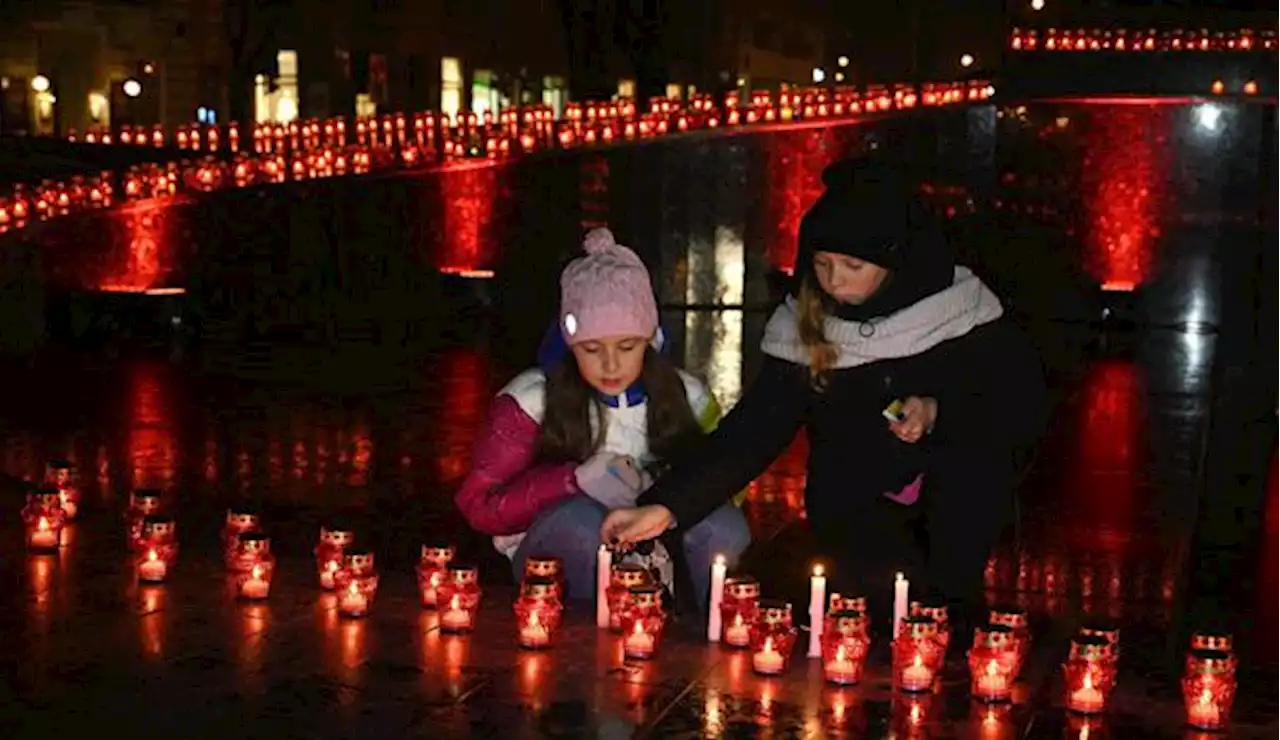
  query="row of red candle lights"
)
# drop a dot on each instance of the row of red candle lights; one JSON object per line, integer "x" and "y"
{"x": 1054, "y": 39}
{"x": 278, "y": 153}
{"x": 632, "y": 607}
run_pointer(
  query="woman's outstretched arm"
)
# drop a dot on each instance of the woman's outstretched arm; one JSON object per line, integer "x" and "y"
{"x": 744, "y": 444}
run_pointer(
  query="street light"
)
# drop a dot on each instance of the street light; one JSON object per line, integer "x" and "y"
{"x": 839, "y": 76}
{"x": 40, "y": 83}
{"x": 1037, "y": 4}
{"x": 132, "y": 88}
{"x": 843, "y": 61}
{"x": 966, "y": 60}
{"x": 819, "y": 74}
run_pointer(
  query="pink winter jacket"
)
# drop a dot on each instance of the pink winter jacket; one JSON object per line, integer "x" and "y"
{"x": 505, "y": 492}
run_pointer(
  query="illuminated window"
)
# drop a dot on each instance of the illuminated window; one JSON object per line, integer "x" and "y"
{"x": 365, "y": 107}
{"x": 283, "y": 102}
{"x": 450, "y": 85}
{"x": 484, "y": 95}
{"x": 99, "y": 109}
{"x": 626, "y": 89}
{"x": 554, "y": 94}
{"x": 674, "y": 90}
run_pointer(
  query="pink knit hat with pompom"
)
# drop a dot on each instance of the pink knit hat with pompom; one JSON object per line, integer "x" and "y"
{"x": 607, "y": 293}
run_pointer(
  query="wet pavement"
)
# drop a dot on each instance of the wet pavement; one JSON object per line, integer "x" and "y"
{"x": 1151, "y": 503}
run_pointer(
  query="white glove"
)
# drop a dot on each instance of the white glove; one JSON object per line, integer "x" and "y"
{"x": 611, "y": 479}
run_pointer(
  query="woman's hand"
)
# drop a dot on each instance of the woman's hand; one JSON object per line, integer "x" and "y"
{"x": 628, "y": 526}
{"x": 918, "y": 414}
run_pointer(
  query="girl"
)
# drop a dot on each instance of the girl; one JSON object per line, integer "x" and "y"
{"x": 911, "y": 384}
{"x": 587, "y": 430}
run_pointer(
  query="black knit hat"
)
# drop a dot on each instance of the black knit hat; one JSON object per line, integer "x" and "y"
{"x": 869, "y": 210}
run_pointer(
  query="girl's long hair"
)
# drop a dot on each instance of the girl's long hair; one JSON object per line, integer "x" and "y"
{"x": 572, "y": 405}
{"x": 811, "y": 318}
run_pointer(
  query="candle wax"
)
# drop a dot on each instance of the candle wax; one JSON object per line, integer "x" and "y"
{"x": 768, "y": 661}
{"x": 1205, "y": 713}
{"x": 254, "y": 588}
{"x": 1086, "y": 700}
{"x": 992, "y": 684}
{"x": 353, "y": 603}
{"x": 737, "y": 634}
{"x": 917, "y": 676}
{"x": 152, "y": 569}
{"x": 44, "y": 538}
{"x": 639, "y": 644}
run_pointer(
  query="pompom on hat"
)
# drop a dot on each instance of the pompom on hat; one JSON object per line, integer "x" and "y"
{"x": 606, "y": 293}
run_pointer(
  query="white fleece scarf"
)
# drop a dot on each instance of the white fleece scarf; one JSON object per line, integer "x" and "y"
{"x": 947, "y": 314}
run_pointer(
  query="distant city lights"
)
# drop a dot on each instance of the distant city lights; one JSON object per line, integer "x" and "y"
{"x": 843, "y": 61}
{"x": 819, "y": 74}
{"x": 132, "y": 88}
{"x": 40, "y": 83}
{"x": 966, "y": 60}
{"x": 1037, "y": 5}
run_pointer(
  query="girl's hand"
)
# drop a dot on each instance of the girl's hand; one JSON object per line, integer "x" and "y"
{"x": 625, "y": 527}
{"x": 919, "y": 414}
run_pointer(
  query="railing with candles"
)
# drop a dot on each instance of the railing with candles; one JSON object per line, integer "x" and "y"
{"x": 312, "y": 149}
{"x": 1122, "y": 40}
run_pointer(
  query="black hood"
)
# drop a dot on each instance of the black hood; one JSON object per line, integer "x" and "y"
{"x": 870, "y": 211}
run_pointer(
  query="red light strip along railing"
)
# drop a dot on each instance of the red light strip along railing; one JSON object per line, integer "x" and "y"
{"x": 278, "y": 153}
{"x": 1082, "y": 39}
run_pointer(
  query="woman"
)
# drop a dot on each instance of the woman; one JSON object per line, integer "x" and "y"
{"x": 879, "y": 314}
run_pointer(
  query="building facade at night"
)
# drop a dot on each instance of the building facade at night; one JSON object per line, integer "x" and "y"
{"x": 75, "y": 65}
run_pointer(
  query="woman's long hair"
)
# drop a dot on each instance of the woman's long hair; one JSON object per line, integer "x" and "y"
{"x": 572, "y": 405}
{"x": 811, "y": 319}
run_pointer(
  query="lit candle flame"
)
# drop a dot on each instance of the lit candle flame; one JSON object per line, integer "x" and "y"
{"x": 719, "y": 559}
{"x": 840, "y": 656}
{"x": 993, "y": 668}
{"x": 768, "y": 644}
{"x": 919, "y": 662}
{"x": 152, "y": 556}
{"x": 257, "y": 571}
{"x": 1088, "y": 680}
{"x": 43, "y": 524}
{"x": 353, "y": 589}
{"x": 639, "y": 627}
{"x": 818, "y": 571}
{"x": 455, "y": 603}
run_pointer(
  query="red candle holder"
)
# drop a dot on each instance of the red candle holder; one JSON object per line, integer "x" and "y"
{"x": 142, "y": 504}
{"x": 1089, "y": 675}
{"x": 459, "y": 599}
{"x": 773, "y": 635}
{"x": 991, "y": 664}
{"x": 738, "y": 610}
{"x": 252, "y": 549}
{"x": 1209, "y": 689}
{"x": 643, "y": 622}
{"x": 938, "y": 612}
{"x": 43, "y": 517}
{"x": 538, "y": 613}
{"x": 61, "y": 475}
{"x": 329, "y": 551}
{"x": 432, "y": 565}
{"x": 622, "y": 578}
{"x": 844, "y": 647}
{"x": 256, "y": 566}
{"x": 356, "y": 583}
{"x": 1015, "y": 619}
{"x": 916, "y": 654}
{"x": 156, "y": 549}
{"x": 546, "y": 566}
{"x": 237, "y": 522}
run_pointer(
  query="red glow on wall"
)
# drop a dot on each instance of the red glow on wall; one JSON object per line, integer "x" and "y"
{"x": 1267, "y": 616}
{"x": 1124, "y": 176}
{"x": 793, "y": 167}
{"x": 152, "y": 447}
{"x": 148, "y": 248}
{"x": 462, "y": 402}
{"x": 467, "y": 241}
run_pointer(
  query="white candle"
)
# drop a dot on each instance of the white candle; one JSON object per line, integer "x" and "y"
{"x": 714, "y": 624}
{"x": 900, "y": 589}
{"x": 604, "y": 562}
{"x": 817, "y": 604}
{"x": 153, "y": 569}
